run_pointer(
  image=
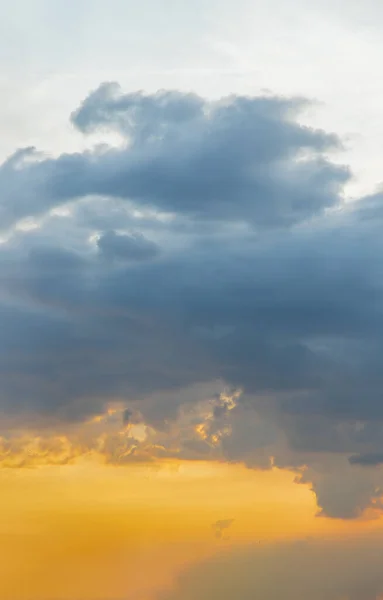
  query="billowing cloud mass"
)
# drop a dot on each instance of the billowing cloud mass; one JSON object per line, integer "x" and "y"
{"x": 208, "y": 277}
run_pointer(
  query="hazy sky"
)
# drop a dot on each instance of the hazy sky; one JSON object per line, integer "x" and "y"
{"x": 191, "y": 292}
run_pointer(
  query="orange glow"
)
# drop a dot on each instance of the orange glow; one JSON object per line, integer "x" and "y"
{"x": 91, "y": 532}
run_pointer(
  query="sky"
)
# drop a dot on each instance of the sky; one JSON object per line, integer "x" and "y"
{"x": 191, "y": 293}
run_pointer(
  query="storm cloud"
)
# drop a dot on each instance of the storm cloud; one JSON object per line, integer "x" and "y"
{"x": 212, "y": 247}
{"x": 237, "y": 159}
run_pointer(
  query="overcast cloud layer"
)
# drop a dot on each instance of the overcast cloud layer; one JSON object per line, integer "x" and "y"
{"x": 209, "y": 249}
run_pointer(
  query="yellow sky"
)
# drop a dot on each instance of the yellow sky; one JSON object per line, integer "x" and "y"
{"x": 94, "y": 532}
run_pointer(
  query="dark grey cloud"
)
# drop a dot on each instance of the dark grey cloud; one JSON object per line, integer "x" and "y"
{"x": 113, "y": 245}
{"x": 343, "y": 491}
{"x": 241, "y": 159}
{"x": 371, "y": 459}
{"x": 127, "y": 416}
{"x": 136, "y": 114}
{"x": 235, "y": 273}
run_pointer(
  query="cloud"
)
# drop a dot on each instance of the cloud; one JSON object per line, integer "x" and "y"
{"x": 127, "y": 415}
{"x": 241, "y": 159}
{"x": 221, "y": 526}
{"x": 136, "y": 114}
{"x": 129, "y": 247}
{"x": 322, "y": 570}
{"x": 367, "y": 460}
{"x": 212, "y": 249}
